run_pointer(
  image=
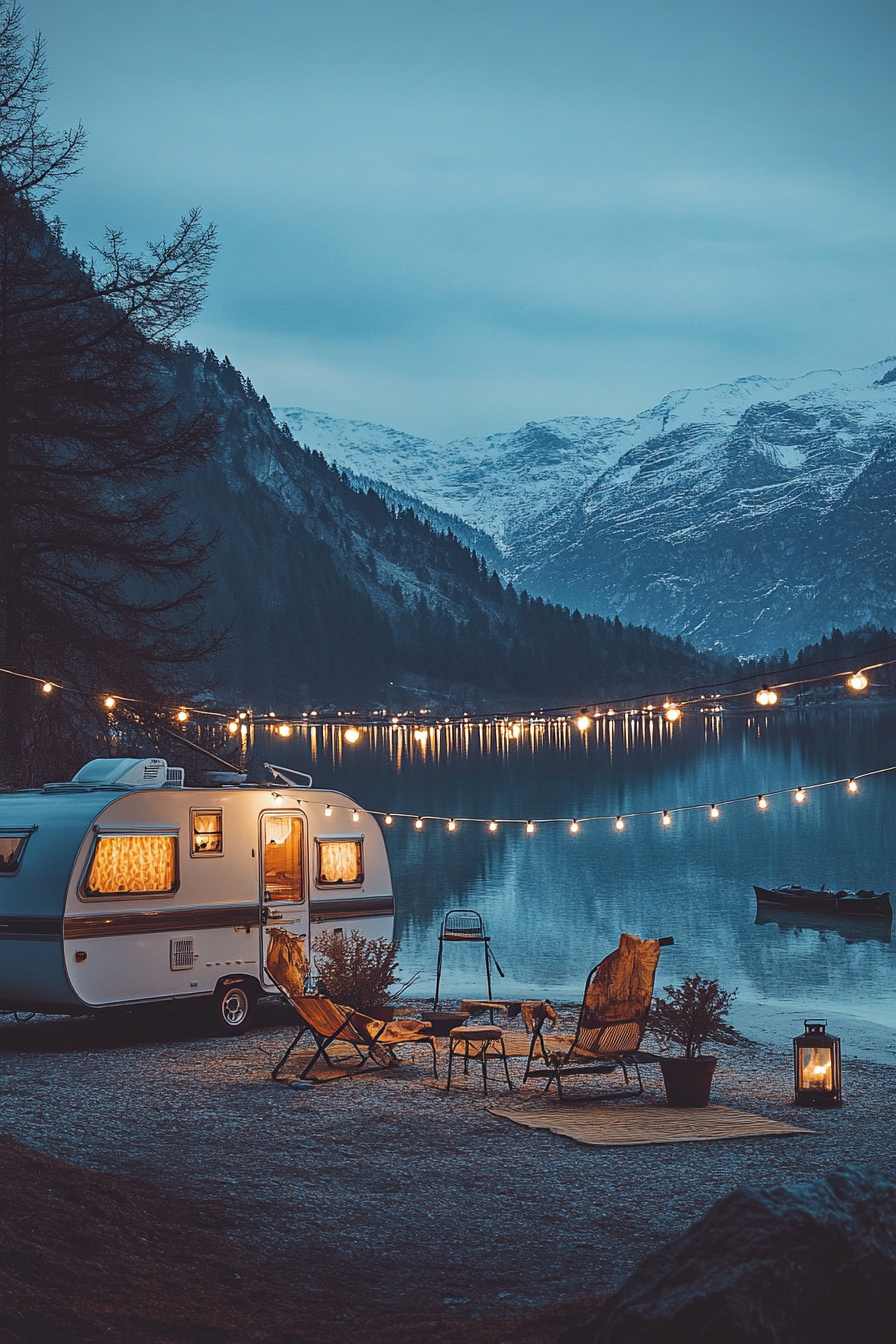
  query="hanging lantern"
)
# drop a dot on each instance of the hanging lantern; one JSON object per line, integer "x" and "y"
{"x": 816, "y": 1067}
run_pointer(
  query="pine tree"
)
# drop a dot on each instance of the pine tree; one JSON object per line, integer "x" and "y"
{"x": 95, "y": 589}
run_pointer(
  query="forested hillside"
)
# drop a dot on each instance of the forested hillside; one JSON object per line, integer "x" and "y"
{"x": 332, "y": 595}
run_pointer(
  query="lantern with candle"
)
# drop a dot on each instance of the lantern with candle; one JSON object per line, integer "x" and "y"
{"x": 816, "y": 1067}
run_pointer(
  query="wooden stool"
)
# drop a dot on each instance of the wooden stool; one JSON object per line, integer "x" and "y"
{"x": 482, "y": 1039}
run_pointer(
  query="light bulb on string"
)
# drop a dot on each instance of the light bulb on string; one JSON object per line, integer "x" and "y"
{"x": 285, "y": 730}
{"x": 183, "y": 716}
{"x": 619, "y": 824}
{"x": 418, "y": 824}
{"x": 452, "y": 825}
{"x": 574, "y": 828}
{"x": 714, "y": 812}
{"x": 352, "y": 735}
{"x": 766, "y": 696}
{"x": 852, "y": 786}
{"x": 47, "y": 687}
{"x": 233, "y": 726}
{"x": 673, "y": 713}
{"x": 800, "y": 796}
{"x": 328, "y": 811}
{"x": 356, "y": 815}
{"x": 387, "y": 819}
{"x": 857, "y": 682}
{"x": 667, "y": 820}
{"x": 493, "y": 826}
{"x": 530, "y": 827}
{"x": 762, "y": 802}
{"x": 109, "y": 702}
{"x": 583, "y": 723}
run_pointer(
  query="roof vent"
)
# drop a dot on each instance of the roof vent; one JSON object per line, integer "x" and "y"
{"x": 174, "y": 777}
{"x": 124, "y": 772}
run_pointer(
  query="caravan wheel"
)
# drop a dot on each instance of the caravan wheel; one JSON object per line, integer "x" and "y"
{"x": 233, "y": 1008}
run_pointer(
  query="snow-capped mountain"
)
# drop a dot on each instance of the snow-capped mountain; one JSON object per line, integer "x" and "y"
{"x": 749, "y": 516}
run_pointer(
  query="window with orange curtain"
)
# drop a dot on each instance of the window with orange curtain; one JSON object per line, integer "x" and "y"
{"x": 208, "y": 832}
{"x": 133, "y": 864}
{"x": 283, "y": 857}
{"x": 339, "y": 863}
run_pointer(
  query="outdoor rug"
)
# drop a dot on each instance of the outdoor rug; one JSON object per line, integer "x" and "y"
{"x": 612, "y": 1127}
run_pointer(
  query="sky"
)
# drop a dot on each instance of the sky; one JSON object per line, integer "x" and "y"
{"x": 458, "y": 216}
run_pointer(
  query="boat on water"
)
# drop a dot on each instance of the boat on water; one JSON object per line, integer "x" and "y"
{"x": 861, "y": 904}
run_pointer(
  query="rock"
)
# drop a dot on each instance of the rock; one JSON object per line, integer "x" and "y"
{"x": 800, "y": 1264}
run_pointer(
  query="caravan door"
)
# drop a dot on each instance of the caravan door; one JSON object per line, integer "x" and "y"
{"x": 284, "y": 880}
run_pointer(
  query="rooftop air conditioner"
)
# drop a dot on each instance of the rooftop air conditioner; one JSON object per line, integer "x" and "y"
{"x": 124, "y": 772}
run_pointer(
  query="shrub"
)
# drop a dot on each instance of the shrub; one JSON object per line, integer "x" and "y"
{"x": 694, "y": 1014}
{"x": 355, "y": 970}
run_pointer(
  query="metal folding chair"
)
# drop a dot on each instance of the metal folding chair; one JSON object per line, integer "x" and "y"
{"x": 466, "y": 926}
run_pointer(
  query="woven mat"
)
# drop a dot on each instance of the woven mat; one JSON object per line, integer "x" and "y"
{"x": 626, "y": 1126}
{"x": 516, "y": 1043}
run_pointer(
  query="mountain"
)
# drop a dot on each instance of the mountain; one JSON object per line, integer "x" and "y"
{"x": 745, "y": 517}
{"x": 334, "y": 596}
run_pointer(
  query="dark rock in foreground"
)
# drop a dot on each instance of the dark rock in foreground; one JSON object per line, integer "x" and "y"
{"x": 800, "y": 1263}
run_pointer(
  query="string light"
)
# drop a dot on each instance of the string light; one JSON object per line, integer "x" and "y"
{"x": 109, "y": 701}
{"x": 857, "y": 682}
{"x": 620, "y": 824}
{"x": 667, "y": 820}
{"x": 47, "y": 687}
{"x": 852, "y": 786}
{"x": 233, "y": 727}
{"x": 583, "y": 723}
{"x": 574, "y": 828}
{"x": 530, "y": 827}
{"x": 183, "y": 716}
{"x": 285, "y": 730}
{"x": 714, "y": 812}
{"x": 356, "y": 815}
{"x": 387, "y": 819}
{"x": 493, "y": 826}
{"x": 328, "y": 811}
{"x": 452, "y": 825}
{"x": 352, "y": 735}
{"x": 418, "y": 824}
{"x": 762, "y": 802}
{"x": 766, "y": 696}
{"x": 673, "y": 713}
{"x": 800, "y": 796}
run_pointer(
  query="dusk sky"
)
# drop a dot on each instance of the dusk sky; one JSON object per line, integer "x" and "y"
{"x": 458, "y": 217}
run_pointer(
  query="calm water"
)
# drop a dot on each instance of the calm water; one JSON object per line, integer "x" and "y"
{"x": 555, "y": 903}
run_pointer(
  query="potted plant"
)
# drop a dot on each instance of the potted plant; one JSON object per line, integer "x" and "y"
{"x": 357, "y": 971}
{"x": 688, "y": 1017}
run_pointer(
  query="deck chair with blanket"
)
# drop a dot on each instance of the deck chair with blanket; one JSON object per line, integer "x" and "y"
{"x": 332, "y": 1024}
{"x": 611, "y": 1024}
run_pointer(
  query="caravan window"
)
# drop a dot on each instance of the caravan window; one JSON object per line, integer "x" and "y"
{"x": 133, "y": 865}
{"x": 283, "y": 857}
{"x": 207, "y": 832}
{"x": 340, "y": 863}
{"x": 12, "y": 848}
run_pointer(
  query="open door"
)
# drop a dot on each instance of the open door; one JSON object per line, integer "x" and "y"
{"x": 284, "y": 880}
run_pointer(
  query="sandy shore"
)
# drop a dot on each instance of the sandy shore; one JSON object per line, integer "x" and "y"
{"x": 450, "y": 1210}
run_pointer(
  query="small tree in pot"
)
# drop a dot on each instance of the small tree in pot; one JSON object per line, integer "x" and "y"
{"x": 689, "y": 1017}
{"x": 357, "y": 971}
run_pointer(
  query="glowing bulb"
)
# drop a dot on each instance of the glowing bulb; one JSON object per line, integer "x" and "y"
{"x": 620, "y": 824}
{"x": 799, "y": 796}
{"x": 356, "y": 815}
{"x": 285, "y": 730}
{"x": 387, "y": 819}
{"x": 574, "y": 828}
{"x": 418, "y": 824}
{"x": 516, "y": 730}
{"x": 452, "y": 825}
{"x": 47, "y": 687}
{"x": 583, "y": 723}
{"x": 493, "y": 826}
{"x": 328, "y": 811}
{"x": 761, "y": 803}
{"x": 530, "y": 828}
{"x": 109, "y": 702}
{"x": 667, "y": 820}
{"x": 766, "y": 696}
{"x": 183, "y": 716}
{"x": 352, "y": 735}
{"x": 611, "y": 711}
{"x": 852, "y": 786}
{"x": 713, "y": 811}
{"x": 673, "y": 713}
{"x": 857, "y": 682}
{"x": 233, "y": 726}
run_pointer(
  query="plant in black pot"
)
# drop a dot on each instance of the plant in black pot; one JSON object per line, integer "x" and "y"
{"x": 357, "y": 971}
{"x": 688, "y": 1017}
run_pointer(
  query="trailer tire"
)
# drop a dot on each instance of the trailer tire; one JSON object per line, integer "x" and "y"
{"x": 233, "y": 1007}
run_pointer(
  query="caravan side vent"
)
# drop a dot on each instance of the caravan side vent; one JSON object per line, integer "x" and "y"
{"x": 181, "y": 954}
{"x": 174, "y": 778}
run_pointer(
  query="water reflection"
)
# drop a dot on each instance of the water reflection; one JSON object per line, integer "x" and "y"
{"x": 555, "y": 902}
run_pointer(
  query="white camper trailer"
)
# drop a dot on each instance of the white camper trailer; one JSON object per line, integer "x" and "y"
{"x": 124, "y": 887}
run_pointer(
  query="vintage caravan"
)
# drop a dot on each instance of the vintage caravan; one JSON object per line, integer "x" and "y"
{"x": 124, "y": 887}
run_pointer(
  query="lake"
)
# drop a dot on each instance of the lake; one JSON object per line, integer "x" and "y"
{"x": 555, "y": 902}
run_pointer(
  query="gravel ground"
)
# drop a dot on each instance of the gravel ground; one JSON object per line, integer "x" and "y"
{"x": 457, "y": 1212}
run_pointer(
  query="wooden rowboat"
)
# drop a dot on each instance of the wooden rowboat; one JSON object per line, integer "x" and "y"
{"x": 863, "y": 904}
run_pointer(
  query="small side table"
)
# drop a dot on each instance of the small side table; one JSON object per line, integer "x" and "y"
{"x": 478, "y": 1043}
